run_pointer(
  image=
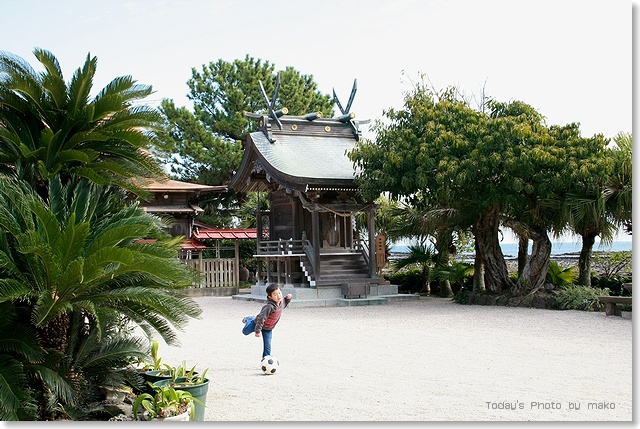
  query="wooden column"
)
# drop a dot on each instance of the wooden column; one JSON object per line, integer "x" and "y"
{"x": 315, "y": 241}
{"x": 258, "y": 226}
{"x": 279, "y": 270}
{"x": 372, "y": 242}
{"x": 258, "y": 240}
{"x": 236, "y": 269}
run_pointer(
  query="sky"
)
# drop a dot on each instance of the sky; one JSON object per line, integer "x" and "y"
{"x": 569, "y": 59}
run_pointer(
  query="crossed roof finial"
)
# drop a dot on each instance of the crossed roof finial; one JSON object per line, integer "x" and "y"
{"x": 345, "y": 111}
{"x": 271, "y": 104}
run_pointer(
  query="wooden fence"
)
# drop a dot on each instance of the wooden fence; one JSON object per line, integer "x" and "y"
{"x": 216, "y": 272}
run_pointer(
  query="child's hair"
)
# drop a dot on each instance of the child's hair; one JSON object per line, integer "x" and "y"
{"x": 272, "y": 287}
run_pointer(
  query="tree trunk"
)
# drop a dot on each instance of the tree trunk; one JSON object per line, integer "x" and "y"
{"x": 445, "y": 289}
{"x": 426, "y": 287}
{"x": 496, "y": 274}
{"x": 53, "y": 336}
{"x": 444, "y": 240}
{"x": 478, "y": 270}
{"x": 535, "y": 271}
{"x": 584, "y": 262}
{"x": 523, "y": 253}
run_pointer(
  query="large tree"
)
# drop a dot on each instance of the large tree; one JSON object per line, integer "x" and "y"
{"x": 587, "y": 212}
{"x": 206, "y": 145}
{"x": 502, "y": 162}
{"x": 618, "y": 188}
{"x": 439, "y": 147}
{"x": 542, "y": 164}
{"x": 208, "y": 141}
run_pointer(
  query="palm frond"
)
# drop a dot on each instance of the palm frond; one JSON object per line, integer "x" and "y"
{"x": 15, "y": 396}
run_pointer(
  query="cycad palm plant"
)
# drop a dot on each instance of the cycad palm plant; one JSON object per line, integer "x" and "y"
{"x": 455, "y": 273}
{"x": 80, "y": 253}
{"x": 20, "y": 359}
{"x": 49, "y": 127}
{"x": 423, "y": 256}
{"x": 98, "y": 359}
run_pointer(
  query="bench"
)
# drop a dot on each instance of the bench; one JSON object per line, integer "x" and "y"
{"x": 611, "y": 304}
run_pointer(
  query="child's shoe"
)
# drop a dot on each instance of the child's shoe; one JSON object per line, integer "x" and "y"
{"x": 244, "y": 319}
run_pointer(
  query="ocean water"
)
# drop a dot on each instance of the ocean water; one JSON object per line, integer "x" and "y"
{"x": 510, "y": 250}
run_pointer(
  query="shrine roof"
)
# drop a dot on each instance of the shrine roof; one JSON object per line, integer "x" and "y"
{"x": 185, "y": 244}
{"x": 224, "y": 234}
{"x": 307, "y": 156}
{"x": 191, "y": 244}
{"x": 188, "y": 208}
{"x": 299, "y": 154}
{"x": 177, "y": 186}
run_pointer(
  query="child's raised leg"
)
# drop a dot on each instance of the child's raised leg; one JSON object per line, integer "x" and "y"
{"x": 249, "y": 325}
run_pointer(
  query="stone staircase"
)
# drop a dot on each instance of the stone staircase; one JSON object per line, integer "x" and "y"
{"x": 337, "y": 268}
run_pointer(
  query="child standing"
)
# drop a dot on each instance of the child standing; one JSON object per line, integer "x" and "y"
{"x": 266, "y": 320}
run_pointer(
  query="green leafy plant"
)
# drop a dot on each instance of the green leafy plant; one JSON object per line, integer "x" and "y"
{"x": 612, "y": 264}
{"x": 181, "y": 377}
{"x": 166, "y": 401}
{"x": 576, "y": 297}
{"x": 462, "y": 297}
{"x": 559, "y": 276}
{"x": 456, "y": 273}
{"x": 614, "y": 284}
{"x": 156, "y": 360}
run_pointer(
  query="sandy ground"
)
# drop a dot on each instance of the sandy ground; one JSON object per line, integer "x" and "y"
{"x": 424, "y": 360}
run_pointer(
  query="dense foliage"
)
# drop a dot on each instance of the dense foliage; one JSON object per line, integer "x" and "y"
{"x": 49, "y": 128}
{"x": 485, "y": 168}
{"x": 76, "y": 276}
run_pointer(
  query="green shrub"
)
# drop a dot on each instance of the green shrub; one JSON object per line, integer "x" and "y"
{"x": 462, "y": 297}
{"x": 615, "y": 284}
{"x": 245, "y": 285}
{"x": 408, "y": 281}
{"x": 560, "y": 276}
{"x": 576, "y": 297}
{"x": 612, "y": 264}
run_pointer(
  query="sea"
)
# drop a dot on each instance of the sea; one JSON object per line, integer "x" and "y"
{"x": 559, "y": 248}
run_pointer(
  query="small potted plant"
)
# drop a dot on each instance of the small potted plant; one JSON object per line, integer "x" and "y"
{"x": 166, "y": 403}
{"x": 153, "y": 371}
{"x": 189, "y": 380}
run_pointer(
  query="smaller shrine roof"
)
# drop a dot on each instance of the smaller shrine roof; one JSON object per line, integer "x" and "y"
{"x": 178, "y": 186}
{"x": 225, "y": 234}
{"x": 190, "y": 208}
{"x": 185, "y": 244}
{"x": 191, "y": 244}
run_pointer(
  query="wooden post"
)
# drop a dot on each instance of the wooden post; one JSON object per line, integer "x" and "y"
{"x": 381, "y": 251}
{"x": 279, "y": 270}
{"x": 315, "y": 240}
{"x": 372, "y": 242}
{"x": 258, "y": 270}
{"x": 236, "y": 269}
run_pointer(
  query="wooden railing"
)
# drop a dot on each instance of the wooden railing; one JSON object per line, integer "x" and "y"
{"x": 215, "y": 272}
{"x": 363, "y": 246}
{"x": 280, "y": 247}
{"x": 311, "y": 255}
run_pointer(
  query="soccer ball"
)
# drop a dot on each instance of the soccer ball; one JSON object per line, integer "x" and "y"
{"x": 269, "y": 365}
